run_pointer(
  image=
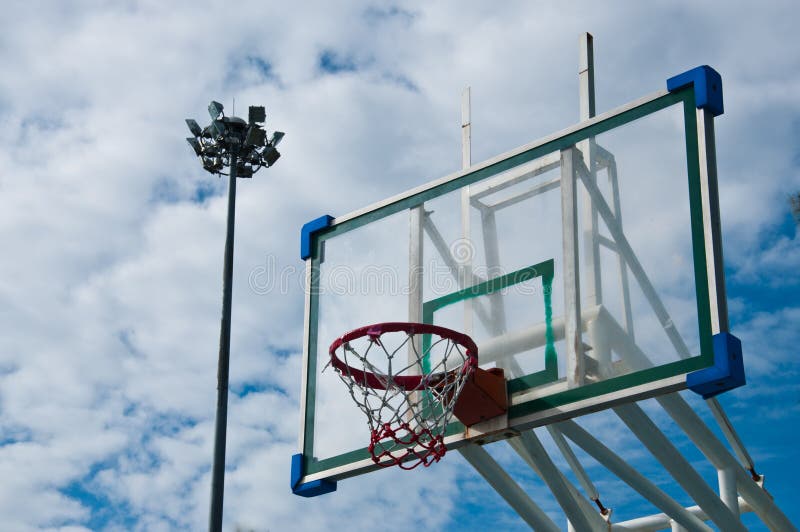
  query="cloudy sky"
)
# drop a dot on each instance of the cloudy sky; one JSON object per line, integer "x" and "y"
{"x": 112, "y": 234}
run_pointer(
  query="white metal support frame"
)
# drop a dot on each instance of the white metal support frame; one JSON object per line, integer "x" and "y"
{"x": 631, "y": 476}
{"x": 694, "y": 427}
{"x": 495, "y": 475}
{"x": 528, "y": 446}
{"x": 586, "y": 507}
{"x": 466, "y": 162}
{"x": 680, "y": 469}
{"x": 738, "y": 491}
{"x": 571, "y": 269}
{"x": 593, "y": 291}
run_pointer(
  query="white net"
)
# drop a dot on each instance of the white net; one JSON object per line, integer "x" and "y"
{"x": 406, "y": 378}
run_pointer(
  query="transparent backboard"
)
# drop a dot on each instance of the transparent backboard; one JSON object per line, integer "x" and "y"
{"x": 576, "y": 263}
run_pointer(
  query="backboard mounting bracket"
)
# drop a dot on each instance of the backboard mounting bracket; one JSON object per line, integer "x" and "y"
{"x": 707, "y": 84}
{"x": 727, "y": 372}
{"x": 308, "y": 231}
{"x": 308, "y": 489}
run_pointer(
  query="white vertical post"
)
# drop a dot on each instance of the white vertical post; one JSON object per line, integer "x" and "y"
{"x": 571, "y": 268}
{"x": 727, "y": 489}
{"x": 627, "y": 313}
{"x": 416, "y": 217}
{"x": 592, "y": 293}
{"x": 676, "y": 527}
{"x": 586, "y": 76}
{"x": 466, "y": 162}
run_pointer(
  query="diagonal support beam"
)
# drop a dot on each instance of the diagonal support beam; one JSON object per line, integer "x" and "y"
{"x": 718, "y": 455}
{"x": 582, "y": 516}
{"x": 631, "y": 476}
{"x": 574, "y": 464}
{"x": 633, "y": 263}
{"x": 680, "y": 469}
{"x": 586, "y": 507}
{"x": 507, "y": 488}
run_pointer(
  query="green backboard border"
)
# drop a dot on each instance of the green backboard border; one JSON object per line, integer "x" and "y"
{"x": 545, "y": 270}
{"x": 685, "y": 97}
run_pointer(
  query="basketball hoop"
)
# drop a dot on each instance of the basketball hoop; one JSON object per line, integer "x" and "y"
{"x": 408, "y": 399}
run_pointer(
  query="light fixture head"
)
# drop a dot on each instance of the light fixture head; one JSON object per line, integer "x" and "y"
{"x": 193, "y": 142}
{"x": 243, "y": 170}
{"x": 255, "y": 136}
{"x": 276, "y": 138}
{"x": 256, "y": 114}
{"x": 270, "y": 155}
{"x": 194, "y": 127}
{"x": 208, "y": 165}
{"x": 218, "y": 128}
{"x": 215, "y": 109}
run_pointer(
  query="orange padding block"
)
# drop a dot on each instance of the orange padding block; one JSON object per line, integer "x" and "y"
{"x": 483, "y": 397}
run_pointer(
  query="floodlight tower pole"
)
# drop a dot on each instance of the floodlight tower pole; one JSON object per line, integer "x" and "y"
{"x": 220, "y": 429}
{"x": 242, "y": 147}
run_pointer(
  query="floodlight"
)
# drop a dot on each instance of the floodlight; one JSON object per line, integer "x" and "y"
{"x": 215, "y": 109}
{"x": 270, "y": 155}
{"x": 195, "y": 145}
{"x": 208, "y": 165}
{"x": 256, "y": 114}
{"x": 218, "y": 128}
{"x": 244, "y": 171}
{"x": 276, "y": 138}
{"x": 194, "y": 127}
{"x": 255, "y": 136}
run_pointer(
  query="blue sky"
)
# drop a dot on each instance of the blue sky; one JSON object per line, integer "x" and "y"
{"x": 112, "y": 234}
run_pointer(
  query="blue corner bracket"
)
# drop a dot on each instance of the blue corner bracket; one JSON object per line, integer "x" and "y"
{"x": 308, "y": 489}
{"x": 707, "y": 87}
{"x": 308, "y": 231}
{"x": 727, "y": 372}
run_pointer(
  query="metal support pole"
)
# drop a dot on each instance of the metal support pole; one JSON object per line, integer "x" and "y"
{"x": 654, "y": 522}
{"x": 507, "y": 488}
{"x": 218, "y": 468}
{"x": 680, "y": 469}
{"x": 592, "y": 292}
{"x": 631, "y": 476}
{"x": 558, "y": 484}
{"x": 574, "y": 464}
{"x": 588, "y": 510}
{"x": 466, "y": 208}
{"x": 571, "y": 268}
{"x": 732, "y": 436}
{"x": 694, "y": 427}
{"x": 727, "y": 489}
